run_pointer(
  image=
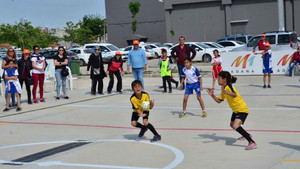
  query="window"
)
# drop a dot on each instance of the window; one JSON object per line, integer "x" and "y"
{"x": 283, "y": 39}
{"x": 194, "y": 47}
{"x": 102, "y": 49}
{"x": 128, "y": 48}
{"x": 231, "y": 38}
{"x": 242, "y": 39}
{"x": 226, "y": 44}
{"x": 112, "y": 47}
{"x": 253, "y": 41}
{"x": 271, "y": 39}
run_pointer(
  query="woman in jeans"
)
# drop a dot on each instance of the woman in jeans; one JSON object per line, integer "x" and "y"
{"x": 25, "y": 66}
{"x": 10, "y": 55}
{"x": 38, "y": 73}
{"x": 60, "y": 62}
{"x": 97, "y": 70}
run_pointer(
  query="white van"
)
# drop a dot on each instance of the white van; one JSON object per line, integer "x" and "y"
{"x": 108, "y": 50}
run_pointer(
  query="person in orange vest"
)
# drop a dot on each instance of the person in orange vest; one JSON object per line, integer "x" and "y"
{"x": 260, "y": 43}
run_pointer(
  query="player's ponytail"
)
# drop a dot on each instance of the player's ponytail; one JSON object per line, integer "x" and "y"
{"x": 226, "y": 75}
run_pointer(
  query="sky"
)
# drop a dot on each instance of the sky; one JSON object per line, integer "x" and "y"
{"x": 49, "y": 13}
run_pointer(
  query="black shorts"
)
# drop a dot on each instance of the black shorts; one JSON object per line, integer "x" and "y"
{"x": 241, "y": 116}
{"x": 135, "y": 116}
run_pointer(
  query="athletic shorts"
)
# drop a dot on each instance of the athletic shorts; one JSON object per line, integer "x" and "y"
{"x": 135, "y": 116}
{"x": 269, "y": 70}
{"x": 241, "y": 116}
{"x": 215, "y": 72}
{"x": 190, "y": 87}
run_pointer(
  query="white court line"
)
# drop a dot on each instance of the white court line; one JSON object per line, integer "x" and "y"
{"x": 179, "y": 156}
{"x": 191, "y": 108}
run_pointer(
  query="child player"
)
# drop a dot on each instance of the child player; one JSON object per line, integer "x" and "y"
{"x": 236, "y": 103}
{"x": 217, "y": 68}
{"x": 165, "y": 70}
{"x": 13, "y": 85}
{"x": 193, "y": 82}
{"x": 267, "y": 64}
{"x": 137, "y": 98}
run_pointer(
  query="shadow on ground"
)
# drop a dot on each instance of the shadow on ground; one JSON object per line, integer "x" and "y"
{"x": 214, "y": 138}
{"x": 286, "y": 145}
{"x": 289, "y": 106}
{"x": 177, "y": 113}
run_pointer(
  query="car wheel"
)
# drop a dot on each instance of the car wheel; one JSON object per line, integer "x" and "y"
{"x": 81, "y": 62}
{"x": 206, "y": 58}
{"x": 156, "y": 55}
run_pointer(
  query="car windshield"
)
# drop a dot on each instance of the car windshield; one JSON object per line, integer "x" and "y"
{"x": 210, "y": 45}
{"x": 70, "y": 53}
{"x": 217, "y": 45}
{"x": 88, "y": 51}
{"x": 240, "y": 43}
{"x": 112, "y": 47}
{"x": 202, "y": 45}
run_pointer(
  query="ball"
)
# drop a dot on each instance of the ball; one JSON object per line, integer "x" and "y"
{"x": 145, "y": 105}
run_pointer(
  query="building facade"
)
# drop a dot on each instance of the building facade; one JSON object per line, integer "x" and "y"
{"x": 200, "y": 20}
{"x": 151, "y": 21}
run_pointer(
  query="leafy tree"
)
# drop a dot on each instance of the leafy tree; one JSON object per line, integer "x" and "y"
{"x": 25, "y": 36}
{"x": 78, "y": 33}
{"x": 95, "y": 23}
{"x": 134, "y": 8}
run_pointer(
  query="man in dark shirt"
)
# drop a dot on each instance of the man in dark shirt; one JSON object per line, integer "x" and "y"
{"x": 180, "y": 52}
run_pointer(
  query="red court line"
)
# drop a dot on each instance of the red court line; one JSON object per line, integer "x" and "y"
{"x": 120, "y": 127}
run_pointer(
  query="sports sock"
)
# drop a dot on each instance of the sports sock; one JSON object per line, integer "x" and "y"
{"x": 139, "y": 125}
{"x": 244, "y": 134}
{"x": 152, "y": 129}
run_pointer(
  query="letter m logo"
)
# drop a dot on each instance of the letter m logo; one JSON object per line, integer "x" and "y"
{"x": 239, "y": 60}
{"x": 285, "y": 59}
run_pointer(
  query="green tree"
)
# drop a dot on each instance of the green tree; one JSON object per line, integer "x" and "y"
{"x": 25, "y": 36}
{"x": 78, "y": 33}
{"x": 134, "y": 8}
{"x": 95, "y": 23}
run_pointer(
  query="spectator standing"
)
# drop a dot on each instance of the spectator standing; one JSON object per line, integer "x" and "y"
{"x": 38, "y": 73}
{"x": 10, "y": 55}
{"x": 180, "y": 52}
{"x": 60, "y": 63}
{"x": 260, "y": 43}
{"x": 97, "y": 70}
{"x": 24, "y": 68}
{"x": 114, "y": 67}
{"x": 295, "y": 61}
{"x": 138, "y": 61}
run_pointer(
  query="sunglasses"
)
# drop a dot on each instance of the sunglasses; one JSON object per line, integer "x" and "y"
{"x": 36, "y": 49}
{"x": 97, "y": 49}
{"x": 61, "y": 50}
{"x": 11, "y": 51}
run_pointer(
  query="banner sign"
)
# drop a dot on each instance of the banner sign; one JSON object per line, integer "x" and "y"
{"x": 247, "y": 63}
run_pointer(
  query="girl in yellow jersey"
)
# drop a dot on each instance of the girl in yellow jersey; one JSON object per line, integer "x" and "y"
{"x": 236, "y": 103}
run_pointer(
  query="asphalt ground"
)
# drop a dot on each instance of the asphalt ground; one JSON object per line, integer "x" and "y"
{"x": 94, "y": 131}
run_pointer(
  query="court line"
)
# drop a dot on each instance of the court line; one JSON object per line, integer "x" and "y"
{"x": 191, "y": 108}
{"x": 289, "y": 160}
{"x": 132, "y": 128}
{"x": 63, "y": 108}
{"x": 179, "y": 156}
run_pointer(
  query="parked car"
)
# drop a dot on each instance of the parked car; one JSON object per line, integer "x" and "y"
{"x": 238, "y": 37}
{"x": 219, "y": 47}
{"x": 83, "y": 55}
{"x": 169, "y": 44}
{"x": 108, "y": 50}
{"x": 230, "y": 45}
{"x": 49, "y": 54}
{"x": 279, "y": 40}
{"x": 147, "y": 49}
{"x": 204, "y": 53}
{"x": 157, "y": 47}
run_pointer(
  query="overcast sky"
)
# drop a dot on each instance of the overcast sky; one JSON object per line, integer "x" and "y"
{"x": 49, "y": 13}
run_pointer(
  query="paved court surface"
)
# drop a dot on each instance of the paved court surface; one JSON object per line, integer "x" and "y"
{"x": 94, "y": 131}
